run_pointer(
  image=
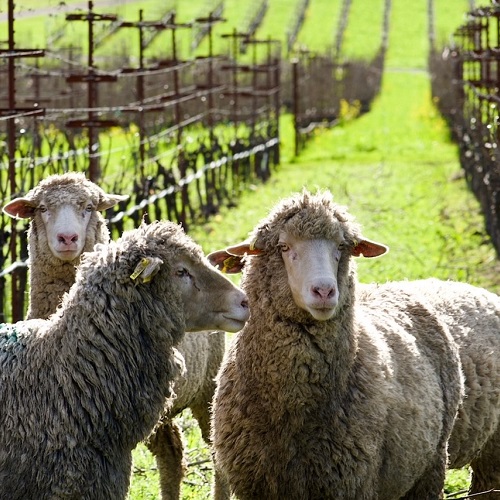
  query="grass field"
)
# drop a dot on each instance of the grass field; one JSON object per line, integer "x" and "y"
{"x": 397, "y": 170}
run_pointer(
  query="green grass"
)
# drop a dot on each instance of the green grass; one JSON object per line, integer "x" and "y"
{"x": 279, "y": 17}
{"x": 395, "y": 168}
{"x": 34, "y": 31}
{"x": 408, "y": 40}
{"x": 363, "y": 35}
{"x": 320, "y": 26}
{"x": 145, "y": 480}
{"x": 27, "y": 5}
{"x": 448, "y": 16}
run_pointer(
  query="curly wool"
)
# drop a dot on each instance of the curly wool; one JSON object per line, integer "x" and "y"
{"x": 359, "y": 406}
{"x": 51, "y": 277}
{"x": 473, "y": 317}
{"x": 86, "y": 385}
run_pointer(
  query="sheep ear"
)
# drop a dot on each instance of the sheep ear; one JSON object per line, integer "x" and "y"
{"x": 231, "y": 260}
{"x": 248, "y": 247}
{"x": 225, "y": 262}
{"x": 368, "y": 248}
{"x": 110, "y": 200}
{"x": 146, "y": 269}
{"x": 20, "y": 208}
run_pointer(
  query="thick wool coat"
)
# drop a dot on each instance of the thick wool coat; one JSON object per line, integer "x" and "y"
{"x": 79, "y": 391}
{"x": 359, "y": 406}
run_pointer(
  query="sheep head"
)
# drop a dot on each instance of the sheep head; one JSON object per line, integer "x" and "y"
{"x": 159, "y": 266}
{"x": 62, "y": 208}
{"x": 303, "y": 246}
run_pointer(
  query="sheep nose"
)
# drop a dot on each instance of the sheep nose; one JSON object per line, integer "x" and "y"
{"x": 323, "y": 291}
{"x": 67, "y": 239}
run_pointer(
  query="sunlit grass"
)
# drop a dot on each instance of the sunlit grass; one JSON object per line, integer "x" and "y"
{"x": 320, "y": 26}
{"x": 395, "y": 168}
{"x": 363, "y": 35}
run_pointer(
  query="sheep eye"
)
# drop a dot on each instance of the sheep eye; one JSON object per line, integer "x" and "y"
{"x": 89, "y": 208}
{"x": 183, "y": 272}
{"x": 42, "y": 208}
{"x": 339, "y": 251}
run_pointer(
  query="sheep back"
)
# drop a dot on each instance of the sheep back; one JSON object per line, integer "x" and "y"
{"x": 473, "y": 317}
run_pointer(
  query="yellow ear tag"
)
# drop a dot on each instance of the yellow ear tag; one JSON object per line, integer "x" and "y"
{"x": 146, "y": 269}
{"x": 229, "y": 263}
{"x": 143, "y": 264}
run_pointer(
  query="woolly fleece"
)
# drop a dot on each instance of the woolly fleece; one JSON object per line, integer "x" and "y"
{"x": 50, "y": 276}
{"x": 80, "y": 390}
{"x": 356, "y": 407}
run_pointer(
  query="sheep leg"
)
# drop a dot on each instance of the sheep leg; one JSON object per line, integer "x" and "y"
{"x": 167, "y": 447}
{"x": 201, "y": 412}
{"x": 220, "y": 486}
{"x": 486, "y": 469}
{"x": 430, "y": 485}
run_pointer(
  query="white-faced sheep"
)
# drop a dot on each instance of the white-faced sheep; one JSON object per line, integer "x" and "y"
{"x": 324, "y": 395}
{"x": 79, "y": 390}
{"x": 64, "y": 223}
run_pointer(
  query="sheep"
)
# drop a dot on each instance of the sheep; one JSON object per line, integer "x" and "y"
{"x": 65, "y": 223}
{"x": 79, "y": 390}
{"x": 324, "y": 393}
{"x": 203, "y": 353}
{"x": 473, "y": 317}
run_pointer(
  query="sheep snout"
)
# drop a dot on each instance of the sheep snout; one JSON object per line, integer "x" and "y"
{"x": 236, "y": 316}
{"x": 239, "y": 316}
{"x": 67, "y": 246}
{"x": 215, "y": 302}
{"x": 320, "y": 299}
{"x": 67, "y": 241}
{"x": 66, "y": 230}
{"x": 323, "y": 292}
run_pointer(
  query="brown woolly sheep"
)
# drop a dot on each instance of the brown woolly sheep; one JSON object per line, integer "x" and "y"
{"x": 325, "y": 393}
{"x": 473, "y": 316}
{"x": 79, "y": 391}
{"x": 65, "y": 222}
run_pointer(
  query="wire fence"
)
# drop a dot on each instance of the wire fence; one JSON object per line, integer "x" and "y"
{"x": 182, "y": 137}
{"x": 466, "y": 88}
